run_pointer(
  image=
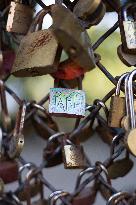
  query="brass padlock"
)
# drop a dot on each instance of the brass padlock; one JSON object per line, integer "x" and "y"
{"x": 72, "y": 37}
{"x": 39, "y": 52}
{"x": 19, "y": 17}
{"x": 73, "y": 155}
{"x": 67, "y": 102}
{"x": 128, "y": 28}
{"x": 117, "y": 107}
{"x": 90, "y": 11}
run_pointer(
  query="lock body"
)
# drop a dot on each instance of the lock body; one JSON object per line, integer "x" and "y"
{"x": 19, "y": 18}
{"x": 117, "y": 111}
{"x": 67, "y": 102}
{"x": 72, "y": 37}
{"x": 73, "y": 156}
{"x": 37, "y": 55}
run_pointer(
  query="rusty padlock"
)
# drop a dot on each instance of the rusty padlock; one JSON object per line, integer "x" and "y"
{"x": 90, "y": 11}
{"x": 66, "y": 26}
{"x": 39, "y": 52}
{"x": 19, "y": 17}
{"x": 128, "y": 28}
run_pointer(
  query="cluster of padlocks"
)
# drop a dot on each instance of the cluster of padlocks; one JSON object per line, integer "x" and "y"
{"x": 28, "y": 50}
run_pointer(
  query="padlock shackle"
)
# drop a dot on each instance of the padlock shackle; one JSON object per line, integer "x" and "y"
{"x": 57, "y": 195}
{"x": 119, "y": 83}
{"x": 131, "y": 99}
{"x": 103, "y": 168}
{"x": 120, "y": 195}
{"x": 81, "y": 175}
{"x": 39, "y": 19}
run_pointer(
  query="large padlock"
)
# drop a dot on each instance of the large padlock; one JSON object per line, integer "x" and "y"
{"x": 90, "y": 11}
{"x": 72, "y": 37}
{"x": 117, "y": 106}
{"x": 39, "y": 52}
{"x": 128, "y": 28}
{"x": 19, "y": 17}
{"x": 67, "y": 102}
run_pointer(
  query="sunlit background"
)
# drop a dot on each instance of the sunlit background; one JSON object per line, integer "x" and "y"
{"x": 95, "y": 85}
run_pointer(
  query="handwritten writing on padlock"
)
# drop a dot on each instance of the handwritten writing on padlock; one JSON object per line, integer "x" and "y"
{"x": 67, "y": 102}
{"x": 130, "y": 33}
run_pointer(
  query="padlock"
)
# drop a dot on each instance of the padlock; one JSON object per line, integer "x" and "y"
{"x": 127, "y": 58}
{"x": 117, "y": 106}
{"x": 120, "y": 167}
{"x": 67, "y": 102}
{"x": 8, "y": 170}
{"x": 22, "y": 190}
{"x": 52, "y": 154}
{"x": 128, "y": 28}
{"x": 88, "y": 194}
{"x": 16, "y": 142}
{"x": 68, "y": 70}
{"x": 130, "y": 134}
{"x": 39, "y": 52}
{"x": 32, "y": 174}
{"x": 90, "y": 11}
{"x": 43, "y": 122}
{"x": 65, "y": 26}
{"x": 73, "y": 155}
{"x": 19, "y": 17}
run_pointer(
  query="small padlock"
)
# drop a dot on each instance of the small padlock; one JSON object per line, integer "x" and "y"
{"x": 90, "y": 11}
{"x": 128, "y": 28}
{"x": 120, "y": 167}
{"x": 39, "y": 52}
{"x": 67, "y": 102}
{"x": 16, "y": 142}
{"x": 8, "y": 170}
{"x": 31, "y": 174}
{"x": 22, "y": 190}
{"x": 105, "y": 134}
{"x": 19, "y": 17}
{"x": 52, "y": 154}
{"x": 66, "y": 26}
{"x": 117, "y": 107}
{"x": 127, "y": 58}
{"x": 73, "y": 155}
